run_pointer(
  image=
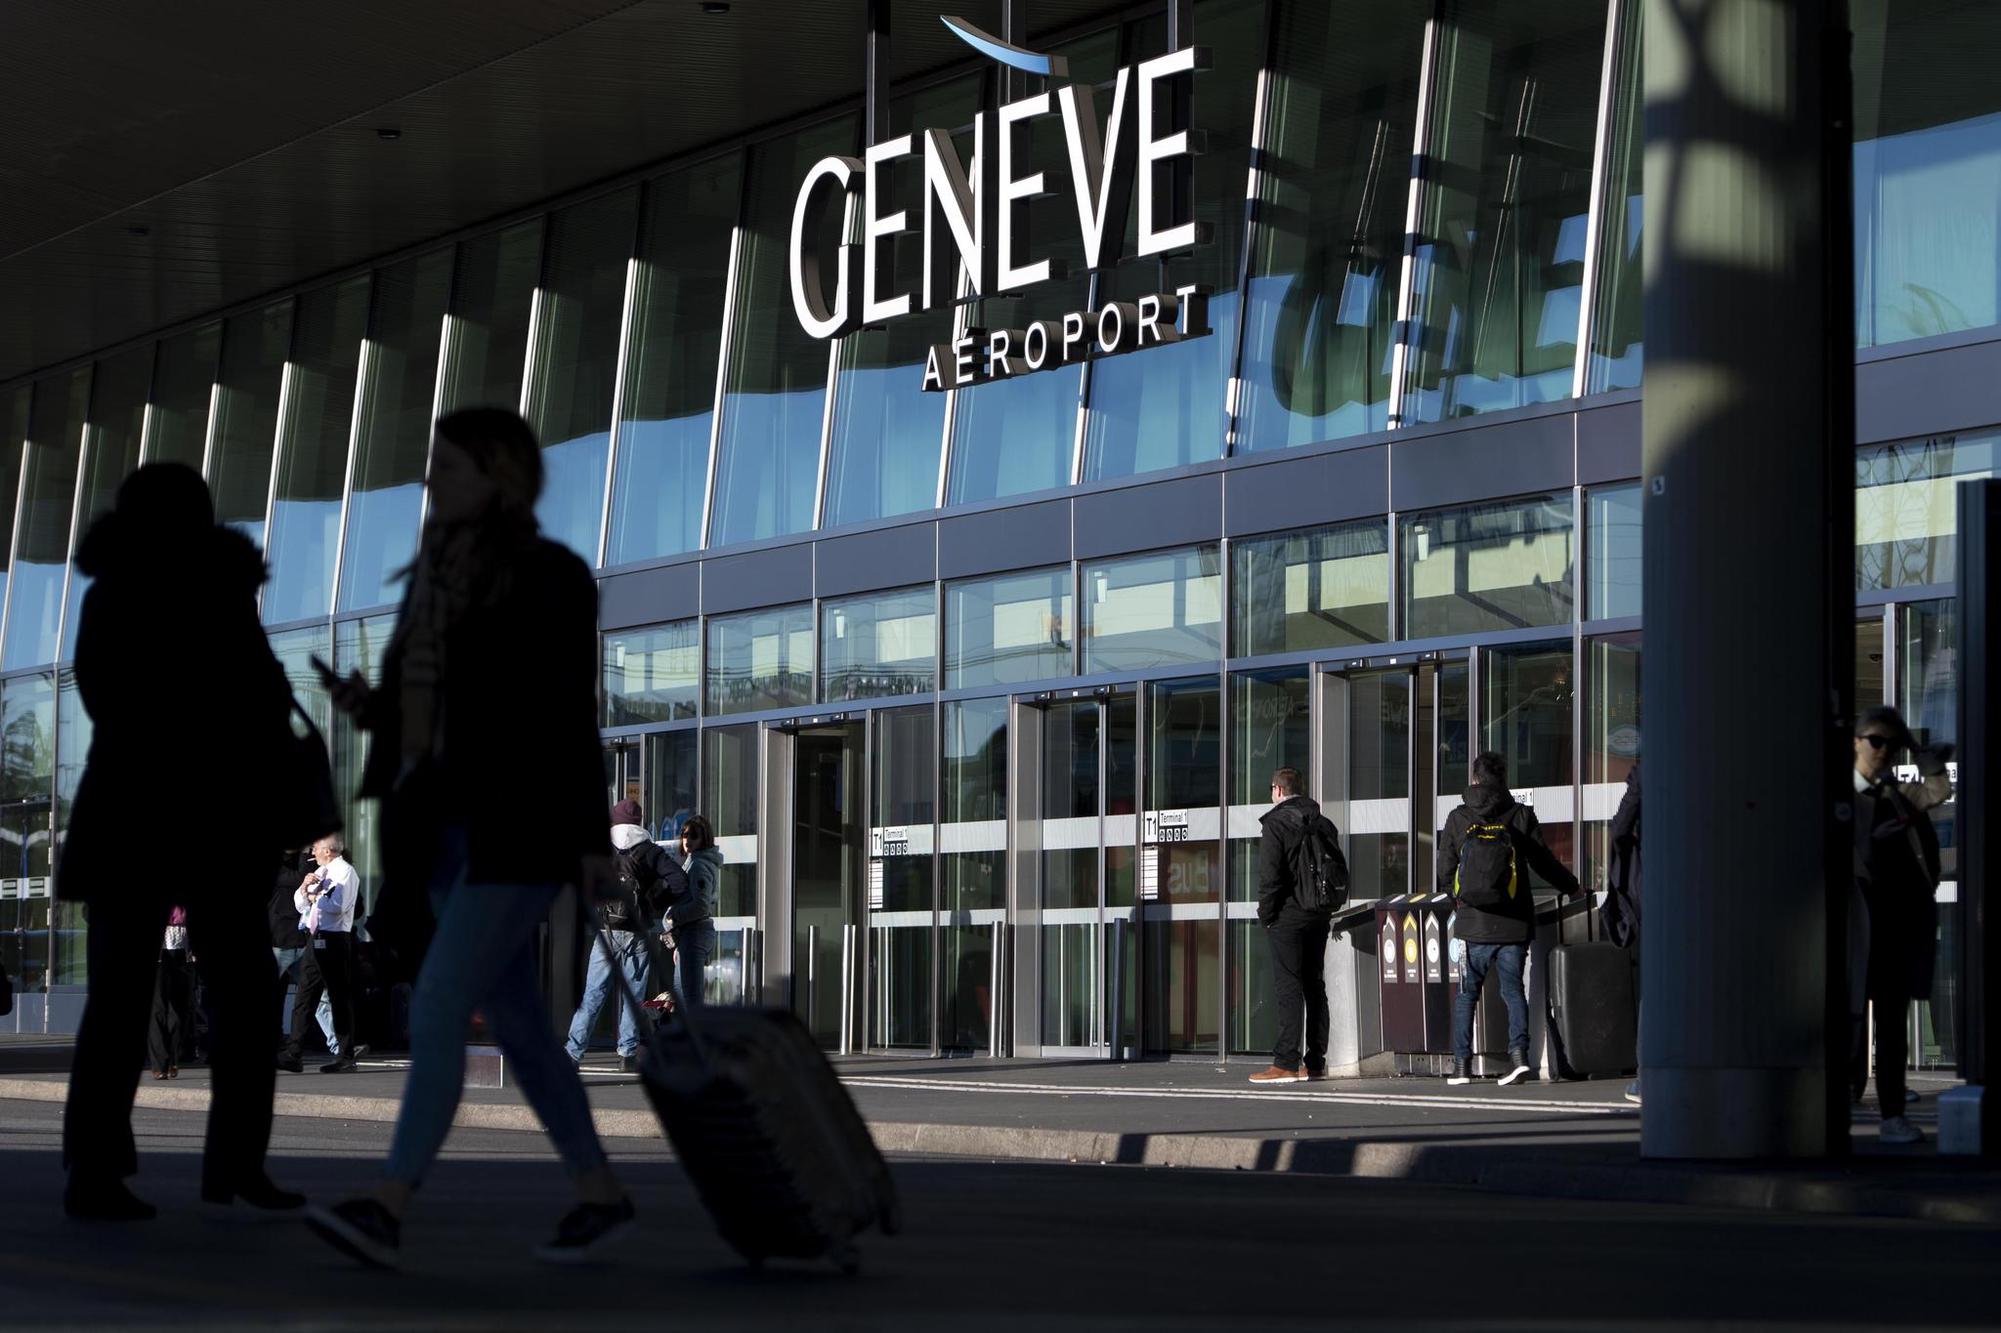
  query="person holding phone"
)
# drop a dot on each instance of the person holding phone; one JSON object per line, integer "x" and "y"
{"x": 325, "y": 900}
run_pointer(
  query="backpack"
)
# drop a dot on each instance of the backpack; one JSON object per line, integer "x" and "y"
{"x": 1487, "y": 874}
{"x": 1322, "y": 870}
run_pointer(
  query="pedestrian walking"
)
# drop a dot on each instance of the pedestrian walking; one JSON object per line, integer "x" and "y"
{"x": 325, "y": 900}
{"x": 289, "y": 945}
{"x": 172, "y": 1029}
{"x": 648, "y": 876}
{"x": 490, "y": 808}
{"x": 1302, "y": 878}
{"x": 1488, "y": 842}
{"x": 1622, "y": 884}
{"x": 206, "y": 714}
{"x": 691, "y": 916}
{"x": 1896, "y": 884}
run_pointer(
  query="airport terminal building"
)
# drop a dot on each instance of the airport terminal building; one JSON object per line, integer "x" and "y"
{"x": 980, "y": 660}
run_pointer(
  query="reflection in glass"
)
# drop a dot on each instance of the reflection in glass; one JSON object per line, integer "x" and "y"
{"x": 1906, "y": 514}
{"x": 884, "y": 455}
{"x": 1499, "y": 270}
{"x": 883, "y": 643}
{"x": 1504, "y": 565}
{"x": 1270, "y": 728}
{"x": 27, "y": 768}
{"x": 1379, "y": 753}
{"x": 1611, "y": 743}
{"x": 760, "y": 659}
{"x": 183, "y": 381}
{"x": 359, "y": 646}
{"x": 491, "y": 300}
{"x": 1927, "y": 169}
{"x": 729, "y": 798}
{"x": 1618, "y": 333}
{"x": 1015, "y": 436}
{"x": 112, "y": 432}
{"x": 41, "y": 554}
{"x": 575, "y": 362}
{"x": 68, "y": 962}
{"x": 1008, "y": 629}
{"x": 1526, "y": 703}
{"x": 312, "y": 449}
{"x": 1067, "y": 808}
{"x": 1153, "y": 610}
{"x": 973, "y": 846}
{"x": 1612, "y": 546}
{"x": 13, "y": 439}
{"x": 904, "y": 769}
{"x": 828, "y": 868}
{"x": 1319, "y": 588}
{"x": 254, "y": 347}
{"x": 769, "y": 467}
{"x": 670, "y": 391}
{"x": 1928, "y": 690}
{"x": 393, "y": 435}
{"x": 1327, "y": 255}
{"x": 652, "y": 674}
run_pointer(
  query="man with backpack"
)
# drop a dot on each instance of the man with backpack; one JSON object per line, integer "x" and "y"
{"x": 1484, "y": 851}
{"x": 648, "y": 877}
{"x": 1302, "y": 880}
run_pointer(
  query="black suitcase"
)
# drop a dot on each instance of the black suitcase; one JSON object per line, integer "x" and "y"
{"x": 781, "y": 1157}
{"x": 1595, "y": 1006}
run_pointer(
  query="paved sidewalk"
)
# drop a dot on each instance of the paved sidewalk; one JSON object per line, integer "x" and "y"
{"x": 1573, "y": 1140}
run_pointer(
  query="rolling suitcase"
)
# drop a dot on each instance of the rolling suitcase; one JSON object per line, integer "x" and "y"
{"x": 780, "y": 1156}
{"x": 1595, "y": 1007}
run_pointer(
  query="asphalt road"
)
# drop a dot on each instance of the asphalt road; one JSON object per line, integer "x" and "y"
{"x": 987, "y": 1245}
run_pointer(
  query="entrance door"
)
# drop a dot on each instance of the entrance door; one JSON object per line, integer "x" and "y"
{"x": 1181, "y": 867}
{"x": 827, "y": 878}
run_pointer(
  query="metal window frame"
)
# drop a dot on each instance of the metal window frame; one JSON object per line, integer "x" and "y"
{"x": 1594, "y": 225}
{"x": 1420, "y": 152}
{"x": 84, "y": 451}
{"x": 364, "y": 384}
{"x": 146, "y": 413}
{"x": 621, "y": 368}
{"x": 733, "y": 275}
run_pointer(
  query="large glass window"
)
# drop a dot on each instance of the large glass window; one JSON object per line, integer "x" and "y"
{"x": 1530, "y": 719}
{"x": 1906, "y": 508}
{"x": 902, "y": 897}
{"x": 1612, "y": 552}
{"x": 769, "y": 469}
{"x": 68, "y": 961}
{"x": 1498, "y": 566}
{"x": 1927, "y": 168}
{"x": 1618, "y": 332}
{"x": 111, "y": 439}
{"x": 1611, "y": 743}
{"x": 973, "y": 848}
{"x": 1164, "y": 407}
{"x": 576, "y": 362}
{"x": 13, "y": 439}
{"x": 359, "y": 645}
{"x": 884, "y": 643}
{"x": 730, "y": 771}
{"x": 393, "y": 435}
{"x": 1324, "y": 588}
{"x": 27, "y": 767}
{"x": 670, "y": 390}
{"x": 41, "y": 552}
{"x": 1000, "y": 631}
{"x": 183, "y": 381}
{"x": 1327, "y": 254}
{"x": 652, "y": 674}
{"x": 492, "y": 297}
{"x": 1153, "y": 611}
{"x": 254, "y": 347}
{"x": 884, "y": 458}
{"x": 1270, "y": 728}
{"x": 760, "y": 659}
{"x": 312, "y": 449}
{"x": 1499, "y": 253}
{"x": 1014, "y": 436}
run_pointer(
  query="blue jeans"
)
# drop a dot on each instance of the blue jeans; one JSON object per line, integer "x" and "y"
{"x": 696, "y": 943}
{"x": 600, "y": 984}
{"x": 288, "y": 971}
{"x": 483, "y": 957}
{"x": 1512, "y": 959}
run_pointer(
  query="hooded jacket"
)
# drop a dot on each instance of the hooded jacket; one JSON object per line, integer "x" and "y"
{"x": 1514, "y": 921}
{"x": 705, "y": 886}
{"x": 1284, "y": 828}
{"x": 652, "y": 873}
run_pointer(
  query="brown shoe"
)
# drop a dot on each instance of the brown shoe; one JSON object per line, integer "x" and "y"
{"x": 1279, "y": 1074}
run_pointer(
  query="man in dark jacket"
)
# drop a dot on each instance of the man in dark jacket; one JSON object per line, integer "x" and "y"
{"x": 648, "y": 873}
{"x": 1297, "y": 931}
{"x": 1495, "y": 913}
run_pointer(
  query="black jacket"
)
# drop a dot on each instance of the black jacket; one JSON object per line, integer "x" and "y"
{"x": 1284, "y": 828}
{"x": 656, "y": 878}
{"x": 1622, "y": 901}
{"x": 282, "y": 911}
{"x": 1897, "y": 870}
{"x": 1513, "y": 922}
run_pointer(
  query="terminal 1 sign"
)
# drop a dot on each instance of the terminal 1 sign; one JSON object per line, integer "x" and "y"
{"x": 970, "y": 222}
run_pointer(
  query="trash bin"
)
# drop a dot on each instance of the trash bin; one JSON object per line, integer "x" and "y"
{"x": 1399, "y": 972}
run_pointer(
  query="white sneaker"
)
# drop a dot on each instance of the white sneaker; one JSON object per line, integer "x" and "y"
{"x": 1458, "y": 1080}
{"x": 1515, "y": 1075}
{"x": 1633, "y": 1092}
{"x": 1896, "y": 1129}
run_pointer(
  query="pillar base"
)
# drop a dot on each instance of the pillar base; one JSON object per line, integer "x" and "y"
{"x": 1733, "y": 1113}
{"x": 1959, "y": 1123}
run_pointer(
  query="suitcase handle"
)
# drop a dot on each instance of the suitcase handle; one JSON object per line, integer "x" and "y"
{"x": 661, "y": 964}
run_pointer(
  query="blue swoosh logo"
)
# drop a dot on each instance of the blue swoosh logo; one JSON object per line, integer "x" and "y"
{"x": 1028, "y": 62}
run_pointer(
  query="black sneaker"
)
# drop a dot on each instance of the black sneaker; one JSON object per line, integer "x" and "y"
{"x": 291, "y": 1064}
{"x": 341, "y": 1065}
{"x": 1521, "y": 1070}
{"x": 361, "y": 1229}
{"x": 1462, "y": 1073}
{"x": 585, "y": 1230}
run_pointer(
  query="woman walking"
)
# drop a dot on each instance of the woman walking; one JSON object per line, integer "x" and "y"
{"x": 492, "y": 803}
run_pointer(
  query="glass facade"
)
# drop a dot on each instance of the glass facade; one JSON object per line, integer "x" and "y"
{"x": 1016, "y": 627}
{"x": 184, "y": 377}
{"x": 1906, "y": 513}
{"x": 760, "y": 659}
{"x": 42, "y": 534}
{"x": 1325, "y": 588}
{"x": 1612, "y": 552}
{"x": 247, "y": 396}
{"x": 1153, "y": 611}
{"x": 881, "y": 644}
{"x": 1500, "y": 566}
{"x": 312, "y": 449}
{"x": 652, "y": 675}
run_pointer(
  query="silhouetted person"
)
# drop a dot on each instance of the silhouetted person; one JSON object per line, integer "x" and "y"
{"x": 173, "y": 1027}
{"x": 484, "y": 754}
{"x": 1622, "y": 882}
{"x": 189, "y": 707}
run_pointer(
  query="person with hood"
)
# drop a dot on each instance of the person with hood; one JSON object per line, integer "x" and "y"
{"x": 1896, "y": 881}
{"x": 648, "y": 876}
{"x": 1298, "y": 845}
{"x": 187, "y": 702}
{"x": 1483, "y": 850}
{"x": 483, "y": 752}
{"x": 691, "y": 916}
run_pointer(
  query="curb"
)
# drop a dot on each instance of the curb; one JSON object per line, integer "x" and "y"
{"x": 1466, "y": 1166}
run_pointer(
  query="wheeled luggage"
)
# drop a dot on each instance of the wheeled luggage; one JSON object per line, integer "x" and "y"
{"x": 1595, "y": 1006}
{"x": 781, "y": 1157}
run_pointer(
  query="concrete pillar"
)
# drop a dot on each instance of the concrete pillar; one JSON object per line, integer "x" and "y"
{"x": 1749, "y": 577}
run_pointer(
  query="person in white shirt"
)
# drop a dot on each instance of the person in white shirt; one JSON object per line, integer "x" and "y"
{"x": 326, "y": 900}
